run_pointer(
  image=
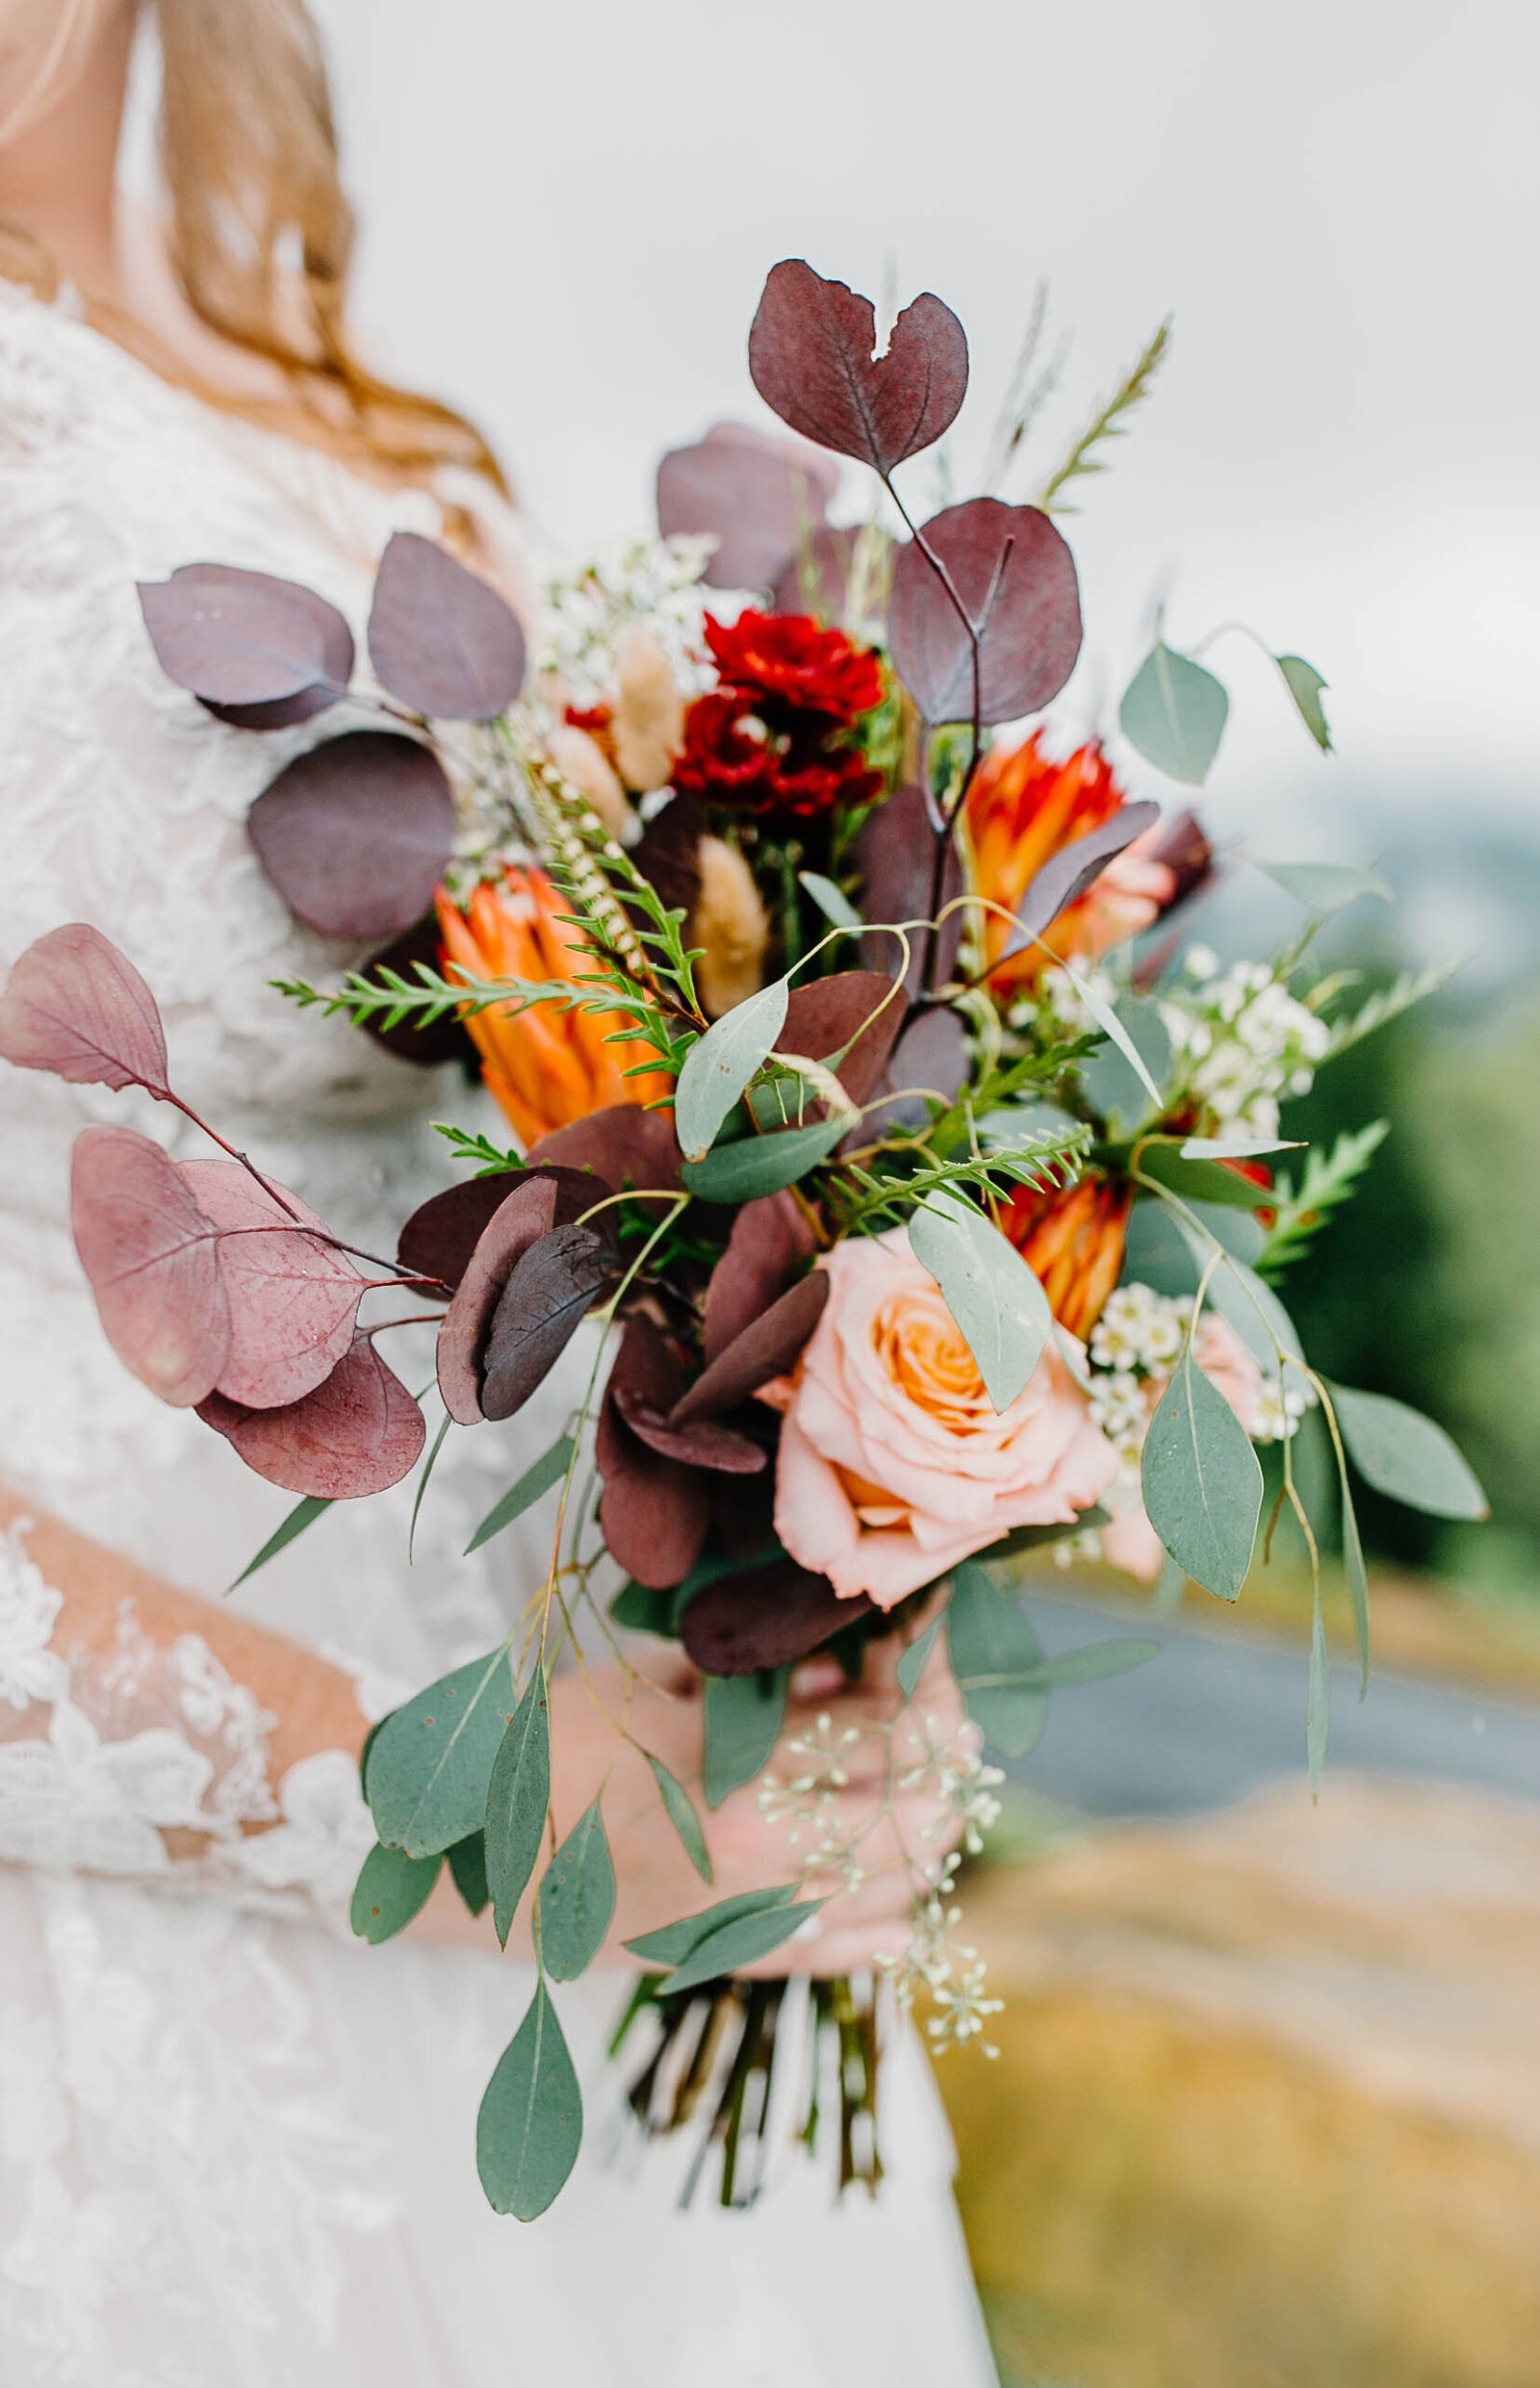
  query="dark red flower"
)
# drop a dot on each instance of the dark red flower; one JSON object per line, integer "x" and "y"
{"x": 737, "y": 756}
{"x": 789, "y": 660}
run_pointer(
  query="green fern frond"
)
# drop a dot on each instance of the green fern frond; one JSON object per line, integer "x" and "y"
{"x": 1327, "y": 1182}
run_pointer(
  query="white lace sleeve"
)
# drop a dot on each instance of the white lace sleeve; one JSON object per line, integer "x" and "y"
{"x": 149, "y": 1762}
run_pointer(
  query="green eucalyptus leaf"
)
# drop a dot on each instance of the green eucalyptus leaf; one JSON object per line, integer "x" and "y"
{"x": 739, "y": 1943}
{"x": 1001, "y": 1309}
{"x": 1200, "y": 1181}
{"x": 832, "y": 902}
{"x": 1202, "y": 1481}
{"x": 518, "y": 1797}
{"x": 1236, "y": 1147}
{"x": 1318, "y": 1708}
{"x": 1304, "y": 684}
{"x": 1109, "y": 1018}
{"x": 640, "y": 1608}
{"x": 719, "y": 1066}
{"x": 531, "y": 2124}
{"x": 1405, "y": 1455}
{"x": 303, "y": 1513}
{"x": 548, "y": 1470}
{"x": 911, "y": 1666}
{"x": 1245, "y": 1302}
{"x": 1174, "y": 712}
{"x": 672, "y": 1944}
{"x": 1088, "y": 1662}
{"x": 681, "y": 1815}
{"x": 991, "y": 1642}
{"x": 1325, "y": 887}
{"x": 761, "y": 1165}
{"x": 577, "y": 1899}
{"x": 1352, "y": 1559}
{"x": 743, "y": 1717}
{"x": 392, "y": 1889}
{"x": 468, "y": 1863}
{"x": 430, "y": 1762}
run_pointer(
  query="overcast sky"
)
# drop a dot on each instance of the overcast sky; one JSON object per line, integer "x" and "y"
{"x": 569, "y": 213}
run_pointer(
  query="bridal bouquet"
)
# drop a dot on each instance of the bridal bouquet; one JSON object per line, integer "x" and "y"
{"x": 932, "y": 1196}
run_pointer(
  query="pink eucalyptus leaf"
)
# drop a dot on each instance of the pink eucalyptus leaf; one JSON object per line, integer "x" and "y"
{"x": 259, "y": 652}
{"x": 622, "y": 1145}
{"x": 755, "y": 494}
{"x": 653, "y": 1511}
{"x": 356, "y": 833}
{"x": 438, "y": 1240}
{"x": 293, "y": 1298}
{"x": 440, "y": 638}
{"x": 76, "y": 1005}
{"x": 826, "y": 1014}
{"x": 519, "y": 1221}
{"x": 767, "y": 1348}
{"x": 1067, "y": 874}
{"x": 768, "y": 1616}
{"x": 358, "y": 1433}
{"x": 771, "y": 1239}
{"x": 895, "y": 848}
{"x": 549, "y": 1292}
{"x": 1016, "y": 579}
{"x": 811, "y": 357}
{"x": 702, "y": 1444}
{"x": 151, "y": 1255}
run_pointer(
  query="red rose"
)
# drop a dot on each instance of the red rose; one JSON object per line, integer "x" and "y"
{"x": 788, "y": 660}
{"x": 735, "y": 756}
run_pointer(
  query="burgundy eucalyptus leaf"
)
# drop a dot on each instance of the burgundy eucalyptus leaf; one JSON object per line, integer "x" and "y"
{"x": 622, "y": 1145}
{"x": 442, "y": 1234}
{"x": 151, "y": 1257}
{"x": 932, "y": 1058}
{"x": 258, "y": 652}
{"x": 440, "y": 638}
{"x": 1017, "y": 578}
{"x": 447, "y": 1040}
{"x": 810, "y": 355}
{"x": 816, "y": 579}
{"x": 667, "y": 853}
{"x": 653, "y": 1511}
{"x": 356, "y": 833}
{"x": 76, "y": 1005}
{"x": 767, "y": 1348}
{"x": 895, "y": 849}
{"x": 771, "y": 1239}
{"x": 823, "y": 1016}
{"x": 293, "y": 1298}
{"x": 768, "y": 1617}
{"x": 521, "y": 1218}
{"x": 704, "y": 1443}
{"x": 358, "y": 1433}
{"x": 1067, "y": 874}
{"x": 551, "y": 1290}
{"x": 755, "y": 494}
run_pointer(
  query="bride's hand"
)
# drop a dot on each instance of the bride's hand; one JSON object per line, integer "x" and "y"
{"x": 655, "y": 1883}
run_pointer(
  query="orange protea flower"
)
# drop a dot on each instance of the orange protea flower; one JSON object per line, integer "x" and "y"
{"x": 545, "y": 1067}
{"x": 1021, "y": 808}
{"x": 1073, "y": 1243}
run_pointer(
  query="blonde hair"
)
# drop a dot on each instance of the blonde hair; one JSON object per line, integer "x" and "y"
{"x": 260, "y": 232}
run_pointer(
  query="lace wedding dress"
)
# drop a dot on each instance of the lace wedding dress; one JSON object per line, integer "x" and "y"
{"x": 237, "y": 2147}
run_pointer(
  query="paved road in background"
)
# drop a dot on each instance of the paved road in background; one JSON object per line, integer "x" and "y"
{"x": 1215, "y": 1714}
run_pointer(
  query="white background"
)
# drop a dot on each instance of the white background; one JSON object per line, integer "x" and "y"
{"x": 569, "y": 212}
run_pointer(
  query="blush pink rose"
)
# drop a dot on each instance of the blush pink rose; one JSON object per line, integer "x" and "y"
{"x": 1128, "y": 1540}
{"x": 893, "y": 1461}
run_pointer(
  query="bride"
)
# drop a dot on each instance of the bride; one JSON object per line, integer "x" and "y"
{"x": 236, "y": 2146}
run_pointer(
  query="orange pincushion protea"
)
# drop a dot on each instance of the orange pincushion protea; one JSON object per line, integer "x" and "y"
{"x": 1073, "y": 1244}
{"x": 545, "y": 1067}
{"x": 1021, "y": 808}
